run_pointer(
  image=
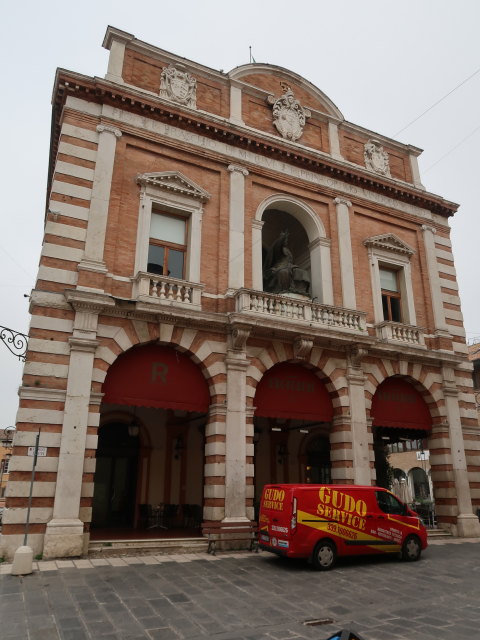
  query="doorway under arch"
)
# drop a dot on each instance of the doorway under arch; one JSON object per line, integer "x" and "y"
{"x": 151, "y": 446}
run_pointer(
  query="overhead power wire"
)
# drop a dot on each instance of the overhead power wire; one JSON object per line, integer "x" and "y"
{"x": 437, "y": 102}
{"x": 452, "y": 149}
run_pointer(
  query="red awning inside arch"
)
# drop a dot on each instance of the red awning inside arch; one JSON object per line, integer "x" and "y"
{"x": 397, "y": 403}
{"x": 290, "y": 391}
{"x": 156, "y": 376}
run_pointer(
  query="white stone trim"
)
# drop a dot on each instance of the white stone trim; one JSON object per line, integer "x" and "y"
{"x": 65, "y": 230}
{"x": 49, "y": 346}
{"x": 60, "y": 251}
{"x": 47, "y": 439}
{"x": 116, "y": 333}
{"x": 68, "y": 210}
{"x": 446, "y": 242}
{"x": 449, "y": 284}
{"x": 20, "y": 489}
{"x": 236, "y": 263}
{"x": 24, "y": 463}
{"x": 50, "y": 274}
{"x": 75, "y": 170}
{"x": 68, "y": 189}
{"x": 453, "y": 315}
{"x": 18, "y": 515}
{"x": 46, "y": 369}
{"x": 79, "y": 132}
{"x": 53, "y": 324}
{"x": 456, "y": 331}
{"x": 343, "y": 208}
{"x": 458, "y": 347}
{"x": 444, "y": 268}
{"x": 187, "y": 206}
{"x": 445, "y": 255}
{"x": 69, "y": 149}
{"x": 84, "y": 106}
{"x": 252, "y": 158}
{"x": 98, "y": 375}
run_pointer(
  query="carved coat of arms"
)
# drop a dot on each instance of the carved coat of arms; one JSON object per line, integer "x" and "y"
{"x": 289, "y": 116}
{"x": 178, "y": 86}
{"x": 376, "y": 158}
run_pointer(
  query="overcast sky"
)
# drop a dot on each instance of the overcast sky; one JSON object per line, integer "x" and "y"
{"x": 382, "y": 62}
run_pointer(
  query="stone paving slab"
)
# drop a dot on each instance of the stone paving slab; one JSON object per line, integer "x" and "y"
{"x": 246, "y": 596}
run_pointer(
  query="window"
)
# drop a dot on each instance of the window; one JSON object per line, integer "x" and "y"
{"x": 391, "y": 299}
{"x": 169, "y": 228}
{"x": 167, "y": 245}
{"x": 389, "y": 504}
{"x": 390, "y": 270}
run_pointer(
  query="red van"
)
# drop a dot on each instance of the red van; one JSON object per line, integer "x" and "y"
{"x": 321, "y": 522}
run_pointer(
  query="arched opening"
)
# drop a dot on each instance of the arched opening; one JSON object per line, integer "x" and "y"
{"x": 401, "y": 424}
{"x": 291, "y": 427}
{"x": 285, "y": 255}
{"x": 150, "y": 456}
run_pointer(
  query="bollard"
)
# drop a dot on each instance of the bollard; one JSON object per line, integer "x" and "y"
{"x": 22, "y": 561}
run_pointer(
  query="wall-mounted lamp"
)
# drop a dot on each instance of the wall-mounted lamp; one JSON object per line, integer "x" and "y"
{"x": 178, "y": 447}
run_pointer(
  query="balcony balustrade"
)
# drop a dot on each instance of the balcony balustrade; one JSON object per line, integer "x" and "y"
{"x": 156, "y": 289}
{"x": 397, "y": 332}
{"x": 291, "y": 308}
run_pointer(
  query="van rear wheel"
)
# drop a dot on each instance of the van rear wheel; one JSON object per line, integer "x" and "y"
{"x": 324, "y": 555}
{"x": 411, "y": 549}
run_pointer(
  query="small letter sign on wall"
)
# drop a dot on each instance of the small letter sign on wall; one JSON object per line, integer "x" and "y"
{"x": 41, "y": 453}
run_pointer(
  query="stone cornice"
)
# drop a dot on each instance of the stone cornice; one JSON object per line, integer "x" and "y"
{"x": 103, "y": 92}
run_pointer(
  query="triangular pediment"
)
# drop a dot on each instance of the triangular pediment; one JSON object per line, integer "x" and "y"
{"x": 174, "y": 181}
{"x": 389, "y": 242}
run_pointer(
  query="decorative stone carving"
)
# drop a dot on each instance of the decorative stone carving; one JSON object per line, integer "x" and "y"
{"x": 376, "y": 158}
{"x": 178, "y": 86}
{"x": 174, "y": 181}
{"x": 302, "y": 347}
{"x": 239, "y": 336}
{"x": 389, "y": 242}
{"x": 289, "y": 117}
{"x": 356, "y": 353}
{"x": 105, "y": 128}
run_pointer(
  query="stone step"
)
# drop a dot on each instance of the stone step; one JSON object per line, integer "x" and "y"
{"x": 438, "y": 533}
{"x": 110, "y": 548}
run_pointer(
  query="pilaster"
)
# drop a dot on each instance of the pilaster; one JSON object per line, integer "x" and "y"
{"x": 236, "y": 261}
{"x": 93, "y": 259}
{"x": 434, "y": 280}
{"x": 345, "y": 251}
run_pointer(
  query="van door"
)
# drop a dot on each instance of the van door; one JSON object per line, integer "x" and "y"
{"x": 387, "y": 522}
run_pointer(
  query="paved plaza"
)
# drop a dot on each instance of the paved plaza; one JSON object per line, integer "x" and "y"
{"x": 246, "y": 596}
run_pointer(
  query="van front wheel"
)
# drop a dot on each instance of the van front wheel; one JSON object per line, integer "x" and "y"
{"x": 324, "y": 555}
{"x": 411, "y": 549}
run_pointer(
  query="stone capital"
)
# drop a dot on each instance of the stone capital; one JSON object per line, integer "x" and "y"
{"x": 83, "y": 344}
{"x": 236, "y": 167}
{"x": 239, "y": 336}
{"x": 427, "y": 227}
{"x": 258, "y": 224}
{"x": 105, "y": 128}
{"x": 339, "y": 201}
{"x": 302, "y": 346}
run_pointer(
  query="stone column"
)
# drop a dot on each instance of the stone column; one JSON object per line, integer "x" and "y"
{"x": 236, "y": 261}
{"x": 98, "y": 214}
{"x": 361, "y": 438}
{"x": 321, "y": 265}
{"x": 257, "y": 261}
{"x": 345, "y": 251}
{"x": 236, "y": 429}
{"x": 417, "y": 181}
{"x": 116, "y": 40}
{"x": 64, "y": 533}
{"x": 434, "y": 279}
{"x": 468, "y": 525}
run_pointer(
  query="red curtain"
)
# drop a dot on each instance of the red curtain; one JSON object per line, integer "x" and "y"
{"x": 290, "y": 391}
{"x": 397, "y": 403}
{"x": 156, "y": 376}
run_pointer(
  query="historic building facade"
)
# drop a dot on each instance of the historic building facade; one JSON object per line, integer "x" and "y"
{"x": 236, "y": 286}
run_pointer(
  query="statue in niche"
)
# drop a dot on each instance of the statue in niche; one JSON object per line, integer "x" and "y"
{"x": 280, "y": 274}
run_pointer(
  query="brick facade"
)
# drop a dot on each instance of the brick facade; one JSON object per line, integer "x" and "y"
{"x": 120, "y": 151}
